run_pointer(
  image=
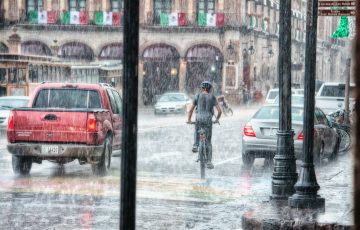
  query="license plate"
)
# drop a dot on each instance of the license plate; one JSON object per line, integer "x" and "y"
{"x": 49, "y": 149}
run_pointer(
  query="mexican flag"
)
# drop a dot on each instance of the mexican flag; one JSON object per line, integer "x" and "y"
{"x": 65, "y": 18}
{"x": 42, "y": 17}
{"x": 211, "y": 19}
{"x": 173, "y": 19}
{"x": 107, "y": 18}
{"x": 253, "y": 22}
{"x": 79, "y": 18}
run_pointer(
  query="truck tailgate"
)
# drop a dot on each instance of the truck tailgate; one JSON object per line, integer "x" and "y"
{"x": 50, "y": 126}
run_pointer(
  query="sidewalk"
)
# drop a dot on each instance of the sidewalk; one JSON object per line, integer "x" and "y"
{"x": 335, "y": 180}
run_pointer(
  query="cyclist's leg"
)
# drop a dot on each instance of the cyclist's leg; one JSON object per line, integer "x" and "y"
{"x": 196, "y": 138}
{"x": 209, "y": 145}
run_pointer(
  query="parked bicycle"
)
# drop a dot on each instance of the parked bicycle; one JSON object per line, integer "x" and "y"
{"x": 203, "y": 149}
{"x": 224, "y": 104}
{"x": 341, "y": 120}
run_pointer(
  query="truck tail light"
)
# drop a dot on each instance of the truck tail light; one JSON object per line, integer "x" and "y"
{"x": 91, "y": 123}
{"x": 249, "y": 131}
{"x": 301, "y": 135}
{"x": 11, "y": 125}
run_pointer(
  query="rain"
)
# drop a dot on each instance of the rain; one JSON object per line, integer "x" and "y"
{"x": 61, "y": 155}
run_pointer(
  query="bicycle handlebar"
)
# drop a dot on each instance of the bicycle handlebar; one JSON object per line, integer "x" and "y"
{"x": 194, "y": 122}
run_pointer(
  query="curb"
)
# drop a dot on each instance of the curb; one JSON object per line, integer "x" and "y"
{"x": 279, "y": 216}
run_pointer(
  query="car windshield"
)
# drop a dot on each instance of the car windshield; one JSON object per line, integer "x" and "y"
{"x": 295, "y": 100}
{"x": 272, "y": 112}
{"x": 273, "y": 94}
{"x": 336, "y": 91}
{"x": 13, "y": 103}
{"x": 172, "y": 97}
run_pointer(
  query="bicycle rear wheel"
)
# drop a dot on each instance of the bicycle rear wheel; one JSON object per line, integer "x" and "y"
{"x": 202, "y": 152}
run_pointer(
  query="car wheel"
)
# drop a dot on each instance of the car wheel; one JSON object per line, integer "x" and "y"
{"x": 21, "y": 165}
{"x": 102, "y": 167}
{"x": 318, "y": 156}
{"x": 248, "y": 159}
{"x": 335, "y": 152}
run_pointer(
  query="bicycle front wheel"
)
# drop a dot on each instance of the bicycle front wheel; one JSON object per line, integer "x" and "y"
{"x": 345, "y": 141}
{"x": 202, "y": 152}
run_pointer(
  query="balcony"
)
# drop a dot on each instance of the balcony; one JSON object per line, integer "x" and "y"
{"x": 74, "y": 21}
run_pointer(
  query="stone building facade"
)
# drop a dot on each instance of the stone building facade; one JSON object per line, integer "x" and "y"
{"x": 232, "y": 43}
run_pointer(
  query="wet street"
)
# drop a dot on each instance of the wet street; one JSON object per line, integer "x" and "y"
{"x": 170, "y": 193}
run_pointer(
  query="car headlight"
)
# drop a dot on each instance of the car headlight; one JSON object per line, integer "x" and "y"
{"x": 179, "y": 106}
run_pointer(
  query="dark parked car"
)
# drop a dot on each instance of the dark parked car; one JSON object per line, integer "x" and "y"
{"x": 260, "y": 140}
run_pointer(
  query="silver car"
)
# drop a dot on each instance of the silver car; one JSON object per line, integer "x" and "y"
{"x": 172, "y": 103}
{"x": 6, "y": 104}
{"x": 259, "y": 138}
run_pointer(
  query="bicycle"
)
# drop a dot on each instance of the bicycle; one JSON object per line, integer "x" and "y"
{"x": 203, "y": 149}
{"x": 339, "y": 120}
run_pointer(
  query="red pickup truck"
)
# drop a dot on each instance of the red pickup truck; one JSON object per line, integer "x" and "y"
{"x": 64, "y": 122}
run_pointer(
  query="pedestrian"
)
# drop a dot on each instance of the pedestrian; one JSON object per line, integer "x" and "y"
{"x": 204, "y": 103}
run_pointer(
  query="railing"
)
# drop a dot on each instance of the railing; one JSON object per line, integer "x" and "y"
{"x": 53, "y": 17}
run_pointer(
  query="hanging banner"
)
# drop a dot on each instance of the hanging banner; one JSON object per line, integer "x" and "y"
{"x": 336, "y": 8}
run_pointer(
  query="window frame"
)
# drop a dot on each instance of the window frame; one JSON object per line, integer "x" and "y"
{"x": 206, "y": 6}
{"x": 77, "y": 6}
{"x": 37, "y": 5}
{"x": 120, "y": 5}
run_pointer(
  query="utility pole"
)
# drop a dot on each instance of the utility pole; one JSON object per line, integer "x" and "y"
{"x": 130, "y": 105}
{"x": 284, "y": 176}
{"x": 307, "y": 186}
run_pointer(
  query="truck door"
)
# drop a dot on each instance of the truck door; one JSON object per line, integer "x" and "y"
{"x": 116, "y": 116}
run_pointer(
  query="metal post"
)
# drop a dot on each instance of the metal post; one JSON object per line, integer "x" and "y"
{"x": 130, "y": 105}
{"x": 307, "y": 186}
{"x": 347, "y": 89}
{"x": 284, "y": 176}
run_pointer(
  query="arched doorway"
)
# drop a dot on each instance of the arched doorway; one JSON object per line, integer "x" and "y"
{"x": 161, "y": 71}
{"x": 113, "y": 51}
{"x": 35, "y": 48}
{"x": 77, "y": 51}
{"x": 204, "y": 62}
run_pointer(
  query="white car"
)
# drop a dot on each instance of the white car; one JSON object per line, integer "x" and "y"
{"x": 172, "y": 103}
{"x": 6, "y": 104}
{"x": 273, "y": 93}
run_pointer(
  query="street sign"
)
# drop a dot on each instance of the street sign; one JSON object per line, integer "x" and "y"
{"x": 336, "y": 3}
{"x": 328, "y": 12}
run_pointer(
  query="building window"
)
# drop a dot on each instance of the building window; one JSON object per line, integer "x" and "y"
{"x": 77, "y": 5}
{"x": 117, "y": 5}
{"x": 161, "y": 6}
{"x": 34, "y": 5}
{"x": 206, "y": 6}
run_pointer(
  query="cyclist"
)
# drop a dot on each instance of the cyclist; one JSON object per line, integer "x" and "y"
{"x": 204, "y": 103}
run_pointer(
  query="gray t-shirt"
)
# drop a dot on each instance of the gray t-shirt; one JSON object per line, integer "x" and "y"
{"x": 204, "y": 106}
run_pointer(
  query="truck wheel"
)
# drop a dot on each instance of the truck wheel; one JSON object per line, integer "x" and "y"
{"x": 21, "y": 165}
{"x": 102, "y": 168}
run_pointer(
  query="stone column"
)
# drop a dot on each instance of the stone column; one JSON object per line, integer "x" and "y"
{"x": 182, "y": 74}
{"x": 14, "y": 42}
{"x": 191, "y": 10}
{"x": 63, "y": 5}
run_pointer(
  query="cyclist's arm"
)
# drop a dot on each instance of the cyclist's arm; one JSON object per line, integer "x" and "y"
{"x": 190, "y": 113}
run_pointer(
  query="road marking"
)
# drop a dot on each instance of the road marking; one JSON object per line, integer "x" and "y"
{"x": 226, "y": 161}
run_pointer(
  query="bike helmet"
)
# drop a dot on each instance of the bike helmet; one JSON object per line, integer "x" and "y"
{"x": 206, "y": 85}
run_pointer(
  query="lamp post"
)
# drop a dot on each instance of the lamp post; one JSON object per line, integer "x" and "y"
{"x": 307, "y": 186}
{"x": 284, "y": 176}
